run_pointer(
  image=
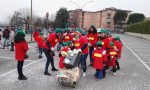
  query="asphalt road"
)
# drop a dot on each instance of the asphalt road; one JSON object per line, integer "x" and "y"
{"x": 134, "y": 73}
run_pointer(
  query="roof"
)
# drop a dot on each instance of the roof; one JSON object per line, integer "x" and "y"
{"x": 111, "y": 8}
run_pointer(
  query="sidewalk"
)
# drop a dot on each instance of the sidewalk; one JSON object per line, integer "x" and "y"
{"x": 139, "y": 35}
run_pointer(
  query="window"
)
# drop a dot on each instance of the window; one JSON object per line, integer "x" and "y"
{"x": 108, "y": 23}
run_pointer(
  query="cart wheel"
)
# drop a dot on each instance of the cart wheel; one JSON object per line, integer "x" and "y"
{"x": 74, "y": 84}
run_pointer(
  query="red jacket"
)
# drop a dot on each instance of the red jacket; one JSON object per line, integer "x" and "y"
{"x": 61, "y": 62}
{"x": 52, "y": 39}
{"x": 98, "y": 59}
{"x": 77, "y": 44}
{"x": 20, "y": 50}
{"x": 68, "y": 38}
{"x": 84, "y": 40}
{"x": 105, "y": 43}
{"x": 92, "y": 38}
{"x": 112, "y": 57}
{"x": 118, "y": 45}
{"x": 35, "y": 35}
{"x": 40, "y": 41}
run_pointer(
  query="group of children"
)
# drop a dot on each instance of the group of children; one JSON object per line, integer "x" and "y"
{"x": 103, "y": 49}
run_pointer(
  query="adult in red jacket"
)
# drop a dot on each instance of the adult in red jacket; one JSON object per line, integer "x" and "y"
{"x": 21, "y": 48}
{"x": 67, "y": 36}
{"x": 36, "y": 34}
{"x": 84, "y": 48}
{"x": 118, "y": 45}
{"x": 48, "y": 48}
{"x": 92, "y": 37}
{"x": 40, "y": 43}
{"x": 98, "y": 58}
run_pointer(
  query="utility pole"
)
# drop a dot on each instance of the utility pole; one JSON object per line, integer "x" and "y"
{"x": 31, "y": 21}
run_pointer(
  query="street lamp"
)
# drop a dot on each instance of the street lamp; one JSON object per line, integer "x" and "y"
{"x": 83, "y": 4}
{"x": 81, "y": 8}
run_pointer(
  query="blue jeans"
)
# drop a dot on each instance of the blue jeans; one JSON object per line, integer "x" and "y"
{"x": 83, "y": 62}
{"x": 99, "y": 73}
{"x": 91, "y": 49}
{"x": 59, "y": 47}
{"x": 5, "y": 42}
{"x": 40, "y": 51}
{"x": 50, "y": 59}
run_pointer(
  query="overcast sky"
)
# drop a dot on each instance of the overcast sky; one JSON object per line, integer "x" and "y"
{"x": 40, "y": 7}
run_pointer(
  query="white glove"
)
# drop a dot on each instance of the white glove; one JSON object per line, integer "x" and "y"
{"x": 65, "y": 34}
{"x": 52, "y": 48}
{"x": 74, "y": 38}
{"x": 104, "y": 52}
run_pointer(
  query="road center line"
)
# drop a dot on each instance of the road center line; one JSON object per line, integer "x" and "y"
{"x": 137, "y": 56}
{"x": 2, "y": 75}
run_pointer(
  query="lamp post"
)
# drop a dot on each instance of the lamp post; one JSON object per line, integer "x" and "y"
{"x": 31, "y": 20}
{"x": 80, "y": 8}
{"x": 47, "y": 26}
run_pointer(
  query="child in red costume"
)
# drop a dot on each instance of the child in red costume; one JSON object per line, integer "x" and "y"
{"x": 98, "y": 58}
{"x": 63, "y": 54}
{"x": 118, "y": 45}
{"x": 40, "y": 42}
{"x": 21, "y": 48}
{"x": 112, "y": 54}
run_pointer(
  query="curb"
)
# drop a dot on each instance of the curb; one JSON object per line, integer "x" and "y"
{"x": 138, "y": 37}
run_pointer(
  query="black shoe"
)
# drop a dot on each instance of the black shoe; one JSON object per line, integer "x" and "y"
{"x": 117, "y": 68}
{"x": 90, "y": 64}
{"x": 54, "y": 69}
{"x": 40, "y": 56}
{"x": 47, "y": 73}
{"x": 11, "y": 50}
{"x": 22, "y": 78}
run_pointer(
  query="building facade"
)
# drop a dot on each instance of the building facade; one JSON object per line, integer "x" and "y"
{"x": 101, "y": 19}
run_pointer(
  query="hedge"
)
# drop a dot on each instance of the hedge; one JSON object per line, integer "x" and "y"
{"x": 143, "y": 27}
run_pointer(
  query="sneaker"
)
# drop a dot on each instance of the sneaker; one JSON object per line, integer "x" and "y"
{"x": 47, "y": 73}
{"x": 54, "y": 69}
{"x": 22, "y": 78}
{"x": 114, "y": 74}
{"x": 84, "y": 74}
{"x": 117, "y": 68}
{"x": 90, "y": 64}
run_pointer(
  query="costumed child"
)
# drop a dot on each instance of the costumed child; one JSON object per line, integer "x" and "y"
{"x": 21, "y": 48}
{"x": 118, "y": 45}
{"x": 40, "y": 42}
{"x": 98, "y": 58}
{"x": 63, "y": 54}
{"x": 112, "y": 54}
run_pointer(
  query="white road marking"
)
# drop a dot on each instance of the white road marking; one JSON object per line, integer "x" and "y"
{"x": 137, "y": 56}
{"x": 6, "y": 57}
{"x": 2, "y": 75}
{"x": 147, "y": 62}
{"x": 14, "y": 58}
{"x": 32, "y": 51}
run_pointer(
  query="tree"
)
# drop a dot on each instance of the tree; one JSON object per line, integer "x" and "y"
{"x": 62, "y": 17}
{"x": 135, "y": 18}
{"x": 120, "y": 18}
{"x": 21, "y": 18}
